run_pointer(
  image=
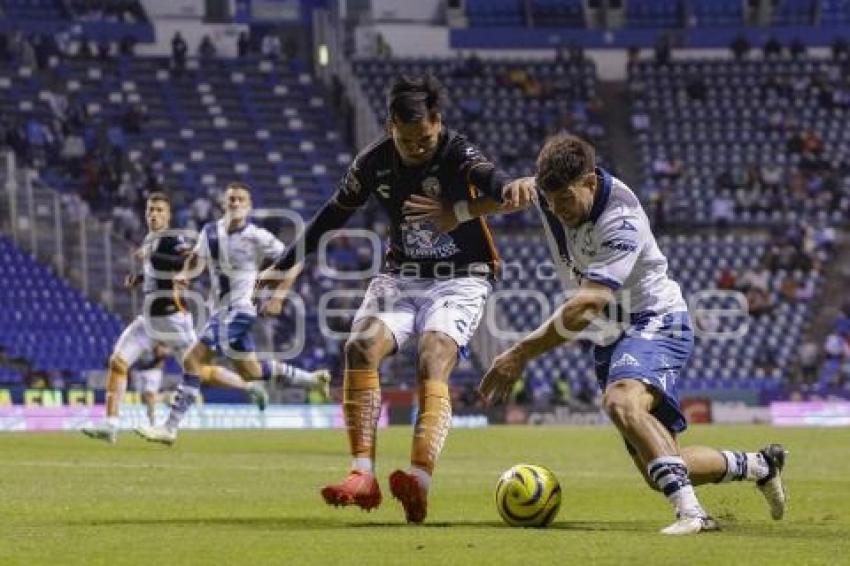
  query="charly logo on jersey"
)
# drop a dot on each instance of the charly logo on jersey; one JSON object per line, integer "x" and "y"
{"x": 626, "y": 360}
{"x": 431, "y": 187}
{"x": 351, "y": 185}
{"x": 383, "y": 191}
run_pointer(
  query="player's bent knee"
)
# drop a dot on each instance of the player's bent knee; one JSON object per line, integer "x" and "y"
{"x": 622, "y": 406}
{"x": 117, "y": 366}
{"x": 362, "y": 352}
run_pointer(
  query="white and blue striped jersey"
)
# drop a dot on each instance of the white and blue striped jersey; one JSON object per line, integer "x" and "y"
{"x": 616, "y": 248}
{"x": 234, "y": 259}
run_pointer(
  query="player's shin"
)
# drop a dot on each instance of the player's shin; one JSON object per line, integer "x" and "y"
{"x": 432, "y": 426}
{"x": 362, "y": 408}
{"x": 187, "y": 394}
{"x": 116, "y": 386}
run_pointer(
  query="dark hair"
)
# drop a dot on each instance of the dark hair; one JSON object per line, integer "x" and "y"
{"x": 413, "y": 99}
{"x": 563, "y": 159}
{"x": 161, "y": 196}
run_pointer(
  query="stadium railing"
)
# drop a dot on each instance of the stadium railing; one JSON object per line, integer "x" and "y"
{"x": 58, "y": 230}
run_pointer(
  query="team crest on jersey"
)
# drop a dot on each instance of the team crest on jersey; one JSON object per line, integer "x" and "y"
{"x": 431, "y": 187}
{"x": 351, "y": 185}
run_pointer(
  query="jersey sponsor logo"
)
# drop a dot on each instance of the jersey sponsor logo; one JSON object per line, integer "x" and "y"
{"x": 431, "y": 187}
{"x": 383, "y": 191}
{"x": 626, "y": 360}
{"x": 620, "y": 244}
{"x": 421, "y": 240}
{"x": 628, "y": 226}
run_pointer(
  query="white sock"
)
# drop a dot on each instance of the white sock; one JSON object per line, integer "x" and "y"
{"x": 363, "y": 465}
{"x": 292, "y": 375}
{"x": 744, "y": 466}
{"x": 422, "y": 477}
{"x": 113, "y": 422}
{"x": 670, "y": 474}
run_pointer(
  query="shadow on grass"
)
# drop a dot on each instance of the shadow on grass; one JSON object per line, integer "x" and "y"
{"x": 322, "y": 523}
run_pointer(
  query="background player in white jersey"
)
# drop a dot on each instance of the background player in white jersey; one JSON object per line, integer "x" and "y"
{"x": 602, "y": 234}
{"x": 233, "y": 249}
{"x": 164, "y": 319}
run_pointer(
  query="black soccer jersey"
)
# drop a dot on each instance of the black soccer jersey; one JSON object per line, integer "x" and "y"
{"x": 456, "y": 172}
{"x": 163, "y": 260}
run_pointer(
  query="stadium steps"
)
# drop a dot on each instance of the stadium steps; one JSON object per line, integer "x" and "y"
{"x": 836, "y": 276}
{"x": 616, "y": 120}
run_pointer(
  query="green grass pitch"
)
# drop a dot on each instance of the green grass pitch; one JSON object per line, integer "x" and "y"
{"x": 246, "y": 497}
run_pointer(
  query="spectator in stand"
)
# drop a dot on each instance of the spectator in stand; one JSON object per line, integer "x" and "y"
{"x": 772, "y": 49}
{"x": 206, "y": 49}
{"x": 179, "y": 50}
{"x": 722, "y": 209}
{"x": 809, "y": 358}
{"x": 127, "y": 46}
{"x": 726, "y": 278}
{"x": 270, "y": 46}
{"x": 740, "y": 47}
{"x": 243, "y": 44}
{"x": 757, "y": 278}
{"x": 797, "y": 49}
{"x": 840, "y": 49}
{"x": 836, "y": 347}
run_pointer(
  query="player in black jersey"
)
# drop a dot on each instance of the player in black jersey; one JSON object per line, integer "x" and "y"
{"x": 433, "y": 284}
{"x": 164, "y": 319}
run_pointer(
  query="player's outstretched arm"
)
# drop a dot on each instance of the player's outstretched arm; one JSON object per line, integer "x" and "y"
{"x": 270, "y": 299}
{"x": 570, "y": 319}
{"x": 446, "y": 217}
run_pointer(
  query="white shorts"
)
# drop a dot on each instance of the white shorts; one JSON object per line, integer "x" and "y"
{"x": 148, "y": 380}
{"x": 411, "y": 306}
{"x": 174, "y": 330}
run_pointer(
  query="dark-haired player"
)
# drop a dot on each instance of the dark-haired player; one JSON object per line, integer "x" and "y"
{"x": 433, "y": 284}
{"x": 598, "y": 231}
{"x": 233, "y": 248}
{"x": 164, "y": 319}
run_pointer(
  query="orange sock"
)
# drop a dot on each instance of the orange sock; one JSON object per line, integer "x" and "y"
{"x": 362, "y": 407}
{"x": 116, "y": 385}
{"x": 432, "y": 424}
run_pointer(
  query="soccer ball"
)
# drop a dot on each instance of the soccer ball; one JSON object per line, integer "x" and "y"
{"x": 528, "y": 496}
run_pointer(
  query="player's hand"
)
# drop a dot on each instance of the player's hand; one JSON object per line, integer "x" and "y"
{"x": 271, "y": 307}
{"x": 140, "y": 253}
{"x": 181, "y": 281}
{"x": 131, "y": 281}
{"x": 518, "y": 194}
{"x": 419, "y": 208}
{"x": 498, "y": 382}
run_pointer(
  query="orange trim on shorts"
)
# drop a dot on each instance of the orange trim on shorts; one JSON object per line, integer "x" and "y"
{"x": 488, "y": 235}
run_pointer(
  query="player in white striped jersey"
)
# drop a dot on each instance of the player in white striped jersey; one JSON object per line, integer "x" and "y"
{"x": 598, "y": 231}
{"x": 233, "y": 249}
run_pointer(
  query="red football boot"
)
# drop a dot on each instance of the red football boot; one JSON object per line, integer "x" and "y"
{"x": 414, "y": 499}
{"x": 359, "y": 488}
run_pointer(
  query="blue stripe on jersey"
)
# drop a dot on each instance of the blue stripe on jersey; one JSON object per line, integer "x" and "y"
{"x": 612, "y": 284}
{"x": 556, "y": 228}
{"x": 603, "y": 193}
{"x": 223, "y": 285}
{"x": 212, "y": 239}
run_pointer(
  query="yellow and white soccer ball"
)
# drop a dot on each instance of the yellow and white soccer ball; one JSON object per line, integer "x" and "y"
{"x": 528, "y": 496}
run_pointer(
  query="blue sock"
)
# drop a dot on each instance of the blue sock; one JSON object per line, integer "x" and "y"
{"x": 267, "y": 369}
{"x": 186, "y": 396}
